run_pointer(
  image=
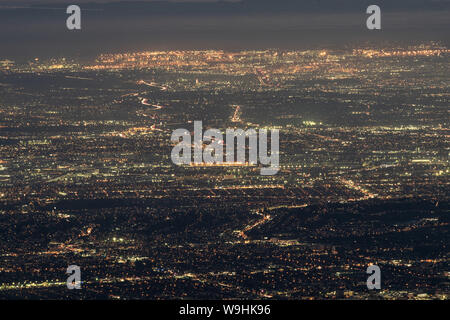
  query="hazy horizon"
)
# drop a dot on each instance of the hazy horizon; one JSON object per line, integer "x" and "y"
{"x": 118, "y": 27}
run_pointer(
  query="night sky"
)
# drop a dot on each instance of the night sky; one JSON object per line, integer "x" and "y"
{"x": 251, "y": 24}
